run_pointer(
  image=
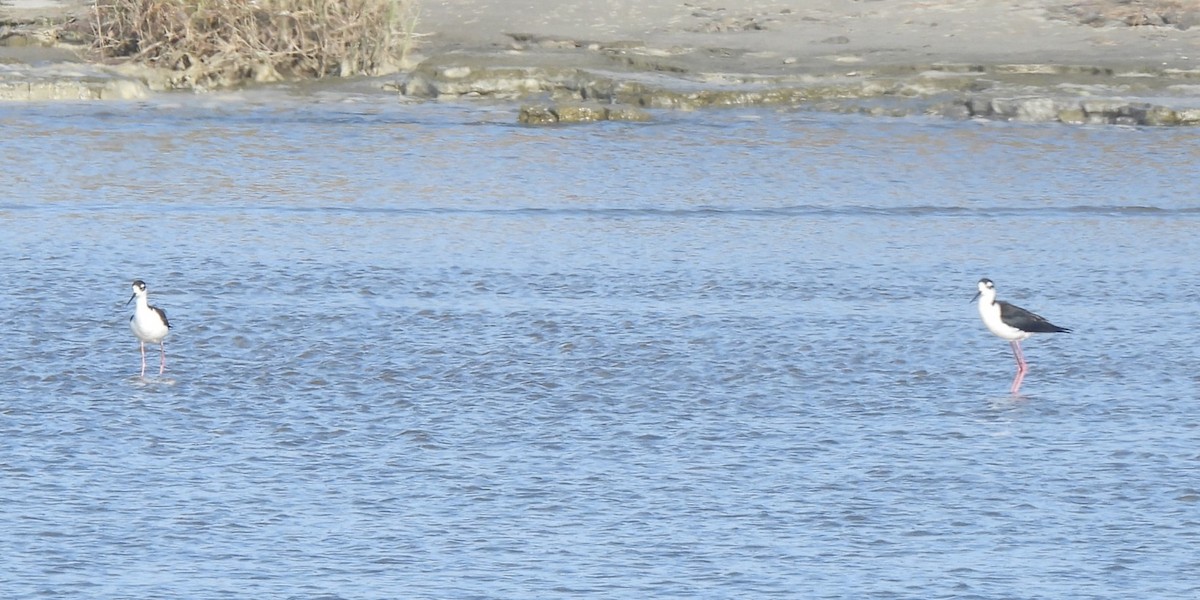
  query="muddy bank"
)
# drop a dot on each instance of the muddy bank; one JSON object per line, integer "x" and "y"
{"x": 1081, "y": 62}
{"x": 1101, "y": 62}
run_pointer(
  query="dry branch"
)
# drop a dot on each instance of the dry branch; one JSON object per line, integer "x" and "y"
{"x": 217, "y": 43}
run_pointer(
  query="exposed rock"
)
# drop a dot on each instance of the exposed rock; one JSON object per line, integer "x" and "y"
{"x": 579, "y": 113}
{"x": 1074, "y": 111}
{"x": 960, "y": 91}
{"x": 45, "y": 38}
{"x": 1072, "y": 115}
{"x": 488, "y": 76}
{"x": 537, "y": 115}
{"x": 627, "y": 113}
{"x": 67, "y": 82}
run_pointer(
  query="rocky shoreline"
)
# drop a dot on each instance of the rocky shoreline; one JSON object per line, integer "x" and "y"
{"x": 1124, "y": 68}
{"x": 612, "y": 77}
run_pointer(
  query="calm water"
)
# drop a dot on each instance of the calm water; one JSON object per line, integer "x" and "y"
{"x": 421, "y": 352}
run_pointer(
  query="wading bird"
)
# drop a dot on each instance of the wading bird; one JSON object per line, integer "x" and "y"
{"x": 149, "y": 324}
{"x": 1011, "y": 323}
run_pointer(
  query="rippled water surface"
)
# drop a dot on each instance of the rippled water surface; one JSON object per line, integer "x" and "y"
{"x": 421, "y": 352}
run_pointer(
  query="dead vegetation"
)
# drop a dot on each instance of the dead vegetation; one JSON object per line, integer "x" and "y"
{"x": 222, "y": 43}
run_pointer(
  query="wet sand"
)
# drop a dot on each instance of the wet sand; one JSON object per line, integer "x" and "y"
{"x": 834, "y": 32}
{"x": 813, "y": 32}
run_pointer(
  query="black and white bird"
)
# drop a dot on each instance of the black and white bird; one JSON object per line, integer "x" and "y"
{"x": 149, "y": 324}
{"x": 1011, "y": 323}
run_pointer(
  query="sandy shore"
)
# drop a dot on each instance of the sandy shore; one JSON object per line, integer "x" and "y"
{"x": 814, "y": 32}
{"x": 811, "y": 33}
{"x": 1100, "y": 61}
{"x": 1089, "y": 61}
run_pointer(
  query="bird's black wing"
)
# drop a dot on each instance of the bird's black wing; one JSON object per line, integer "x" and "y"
{"x": 1027, "y": 321}
{"x": 162, "y": 314}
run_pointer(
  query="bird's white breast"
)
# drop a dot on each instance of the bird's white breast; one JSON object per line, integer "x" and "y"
{"x": 146, "y": 324}
{"x": 990, "y": 313}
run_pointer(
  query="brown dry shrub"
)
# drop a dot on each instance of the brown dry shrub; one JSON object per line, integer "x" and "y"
{"x": 219, "y": 43}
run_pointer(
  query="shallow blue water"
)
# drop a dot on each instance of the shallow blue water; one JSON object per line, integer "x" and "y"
{"x": 421, "y": 352}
